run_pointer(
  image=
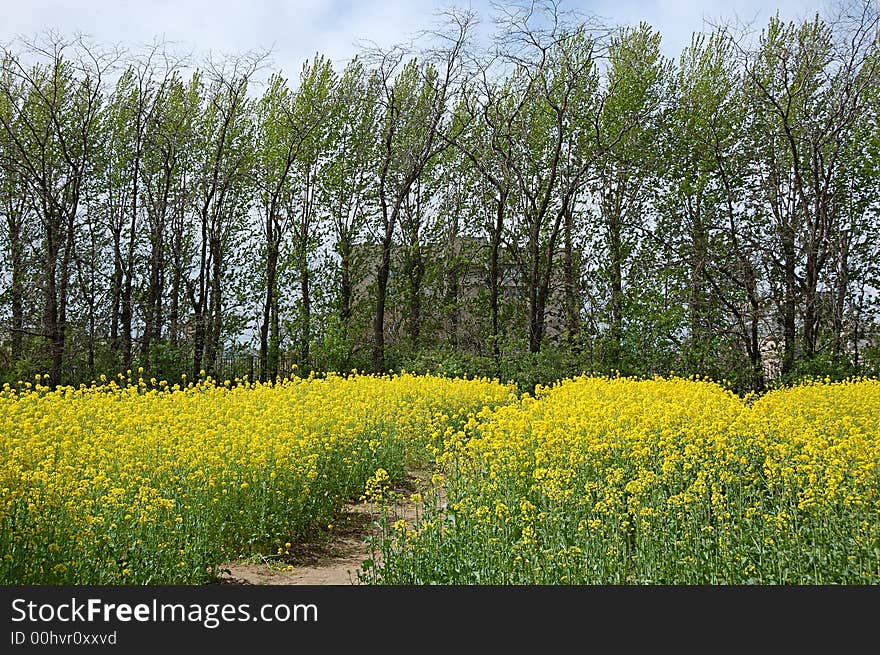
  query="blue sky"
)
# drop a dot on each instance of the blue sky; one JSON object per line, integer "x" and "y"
{"x": 297, "y": 29}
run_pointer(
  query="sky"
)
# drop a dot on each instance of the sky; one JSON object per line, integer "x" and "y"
{"x": 296, "y": 30}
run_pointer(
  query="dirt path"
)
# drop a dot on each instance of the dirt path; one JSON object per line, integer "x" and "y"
{"x": 335, "y": 557}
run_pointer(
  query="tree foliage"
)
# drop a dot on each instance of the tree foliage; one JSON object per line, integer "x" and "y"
{"x": 562, "y": 198}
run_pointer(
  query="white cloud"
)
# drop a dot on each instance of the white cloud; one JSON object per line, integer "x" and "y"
{"x": 677, "y": 20}
{"x": 296, "y": 30}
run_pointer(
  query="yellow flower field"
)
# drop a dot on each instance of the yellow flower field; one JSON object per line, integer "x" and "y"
{"x": 591, "y": 481}
{"x": 621, "y": 481}
{"x": 142, "y": 483}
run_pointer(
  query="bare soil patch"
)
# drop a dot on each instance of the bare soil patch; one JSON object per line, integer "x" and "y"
{"x": 335, "y": 556}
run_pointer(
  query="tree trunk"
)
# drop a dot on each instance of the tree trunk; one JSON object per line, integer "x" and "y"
{"x": 811, "y": 314}
{"x": 699, "y": 331}
{"x": 452, "y": 283}
{"x": 127, "y": 308}
{"x": 615, "y": 248}
{"x": 152, "y": 318}
{"x": 176, "y": 284}
{"x": 153, "y": 309}
{"x": 50, "y": 310}
{"x": 213, "y": 334}
{"x": 415, "y": 273}
{"x": 198, "y": 341}
{"x": 754, "y": 346}
{"x": 495, "y": 274}
{"x": 382, "y": 273}
{"x": 539, "y": 327}
{"x": 345, "y": 283}
{"x": 60, "y": 343}
{"x": 201, "y": 327}
{"x": 536, "y": 318}
{"x": 789, "y": 308}
{"x": 266, "y": 372}
{"x": 572, "y": 314}
{"x": 116, "y": 293}
{"x": 126, "y": 317}
{"x": 16, "y": 288}
{"x": 842, "y": 287}
{"x": 306, "y": 327}
{"x": 274, "y": 341}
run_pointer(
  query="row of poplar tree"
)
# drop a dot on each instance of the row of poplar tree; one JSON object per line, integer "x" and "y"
{"x": 560, "y": 187}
